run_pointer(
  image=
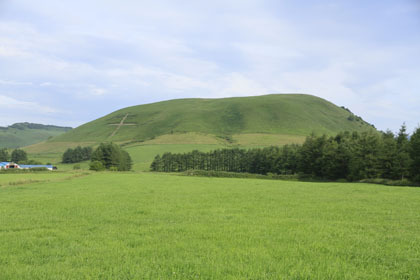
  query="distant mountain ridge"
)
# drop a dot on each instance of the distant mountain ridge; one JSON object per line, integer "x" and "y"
{"x": 24, "y": 134}
{"x": 274, "y": 114}
{"x": 29, "y": 125}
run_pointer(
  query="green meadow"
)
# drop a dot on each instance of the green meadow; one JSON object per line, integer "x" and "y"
{"x": 87, "y": 225}
{"x": 21, "y": 178}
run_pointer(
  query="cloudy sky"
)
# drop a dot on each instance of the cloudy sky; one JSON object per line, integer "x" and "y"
{"x": 69, "y": 62}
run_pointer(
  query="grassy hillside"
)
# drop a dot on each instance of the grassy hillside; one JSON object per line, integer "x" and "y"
{"x": 281, "y": 114}
{"x": 24, "y": 134}
{"x": 203, "y": 124}
{"x": 158, "y": 226}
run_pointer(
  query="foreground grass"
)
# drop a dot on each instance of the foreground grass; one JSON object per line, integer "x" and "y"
{"x": 22, "y": 178}
{"x": 157, "y": 226}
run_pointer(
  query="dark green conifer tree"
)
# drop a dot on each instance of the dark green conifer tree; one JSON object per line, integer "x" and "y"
{"x": 403, "y": 160}
{"x": 364, "y": 163}
{"x": 388, "y": 156}
{"x": 415, "y": 155}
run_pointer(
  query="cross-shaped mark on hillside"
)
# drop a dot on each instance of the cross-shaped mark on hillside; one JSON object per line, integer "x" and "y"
{"x": 119, "y": 125}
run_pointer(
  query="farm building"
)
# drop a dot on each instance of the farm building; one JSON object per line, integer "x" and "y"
{"x": 8, "y": 165}
{"x": 12, "y": 165}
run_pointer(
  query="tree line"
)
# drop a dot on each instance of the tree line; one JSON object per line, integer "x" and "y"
{"x": 107, "y": 156}
{"x": 77, "y": 154}
{"x": 351, "y": 156}
{"x": 17, "y": 156}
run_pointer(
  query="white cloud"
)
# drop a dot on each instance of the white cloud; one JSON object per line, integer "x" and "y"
{"x": 11, "y": 52}
{"x": 97, "y": 91}
{"x": 236, "y": 84}
{"x": 14, "y": 83}
{"x": 7, "y": 102}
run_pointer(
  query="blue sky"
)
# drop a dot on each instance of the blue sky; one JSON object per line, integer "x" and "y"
{"x": 69, "y": 62}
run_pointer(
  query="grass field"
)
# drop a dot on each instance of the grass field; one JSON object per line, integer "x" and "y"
{"x": 264, "y": 140}
{"x": 159, "y": 226}
{"x": 13, "y": 179}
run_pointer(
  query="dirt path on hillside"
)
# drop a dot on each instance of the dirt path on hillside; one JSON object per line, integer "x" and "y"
{"x": 119, "y": 125}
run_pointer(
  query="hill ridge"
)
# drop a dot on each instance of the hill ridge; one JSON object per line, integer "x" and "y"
{"x": 26, "y": 133}
{"x": 29, "y": 125}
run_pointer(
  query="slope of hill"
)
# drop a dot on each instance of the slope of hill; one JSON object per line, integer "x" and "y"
{"x": 23, "y": 134}
{"x": 226, "y": 118}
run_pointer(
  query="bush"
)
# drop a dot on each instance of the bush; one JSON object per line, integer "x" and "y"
{"x": 35, "y": 169}
{"x": 96, "y": 165}
{"x": 76, "y": 167}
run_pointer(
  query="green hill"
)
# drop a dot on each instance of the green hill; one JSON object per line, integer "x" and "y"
{"x": 23, "y": 134}
{"x": 183, "y": 125}
{"x": 276, "y": 114}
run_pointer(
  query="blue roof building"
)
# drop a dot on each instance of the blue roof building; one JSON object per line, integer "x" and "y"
{"x": 8, "y": 165}
{"x": 12, "y": 165}
{"x": 29, "y": 166}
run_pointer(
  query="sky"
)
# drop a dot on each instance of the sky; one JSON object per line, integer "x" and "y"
{"x": 70, "y": 62}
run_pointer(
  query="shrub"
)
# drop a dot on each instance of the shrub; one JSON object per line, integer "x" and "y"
{"x": 35, "y": 169}
{"x": 96, "y": 165}
{"x": 76, "y": 167}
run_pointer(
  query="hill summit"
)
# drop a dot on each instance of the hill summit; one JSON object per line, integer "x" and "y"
{"x": 275, "y": 114}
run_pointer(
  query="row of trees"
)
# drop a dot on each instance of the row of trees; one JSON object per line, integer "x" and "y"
{"x": 351, "y": 156}
{"x": 17, "y": 156}
{"x": 77, "y": 154}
